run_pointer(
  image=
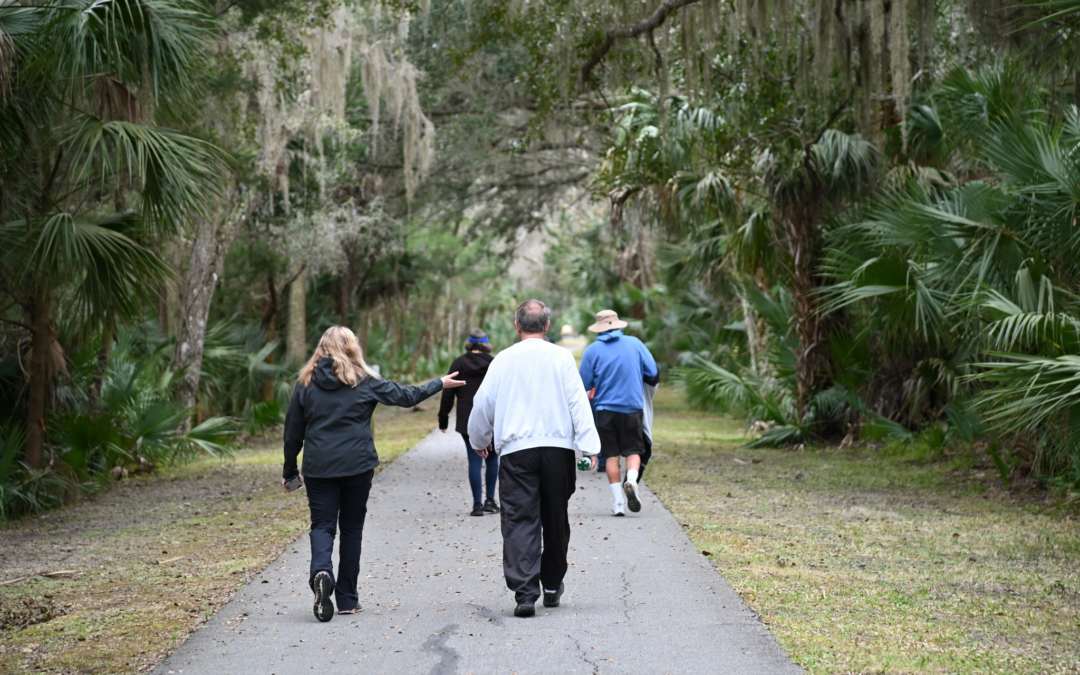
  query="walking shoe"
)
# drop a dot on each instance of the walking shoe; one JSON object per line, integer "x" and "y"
{"x": 552, "y": 599}
{"x": 324, "y": 588}
{"x": 477, "y": 509}
{"x": 618, "y": 509}
{"x": 490, "y": 506}
{"x": 524, "y": 609}
{"x": 632, "y": 496}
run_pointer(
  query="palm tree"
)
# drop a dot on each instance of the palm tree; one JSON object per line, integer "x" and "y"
{"x": 89, "y": 185}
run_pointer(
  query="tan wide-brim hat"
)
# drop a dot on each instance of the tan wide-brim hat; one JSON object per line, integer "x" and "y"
{"x": 607, "y": 319}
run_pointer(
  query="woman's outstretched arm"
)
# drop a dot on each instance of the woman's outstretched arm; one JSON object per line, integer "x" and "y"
{"x": 389, "y": 392}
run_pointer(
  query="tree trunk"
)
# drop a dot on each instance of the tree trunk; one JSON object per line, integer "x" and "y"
{"x": 212, "y": 242}
{"x": 342, "y": 299}
{"x": 269, "y": 328}
{"x": 296, "y": 337}
{"x": 750, "y": 320}
{"x": 812, "y": 365}
{"x": 38, "y": 382}
{"x": 365, "y": 328}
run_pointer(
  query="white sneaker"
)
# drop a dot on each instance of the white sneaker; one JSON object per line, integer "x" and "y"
{"x": 618, "y": 509}
{"x": 630, "y": 488}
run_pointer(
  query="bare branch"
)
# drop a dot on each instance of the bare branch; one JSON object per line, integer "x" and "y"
{"x": 18, "y": 323}
{"x": 644, "y": 26}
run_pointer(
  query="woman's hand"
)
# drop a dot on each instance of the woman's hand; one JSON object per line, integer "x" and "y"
{"x": 484, "y": 452}
{"x": 448, "y": 382}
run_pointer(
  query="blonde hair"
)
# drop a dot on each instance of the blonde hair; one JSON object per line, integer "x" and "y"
{"x": 339, "y": 343}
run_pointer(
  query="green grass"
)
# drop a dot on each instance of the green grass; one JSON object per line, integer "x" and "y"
{"x": 861, "y": 561}
{"x": 124, "y": 611}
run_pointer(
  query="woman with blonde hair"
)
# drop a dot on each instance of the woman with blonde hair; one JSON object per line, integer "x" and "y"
{"x": 330, "y": 418}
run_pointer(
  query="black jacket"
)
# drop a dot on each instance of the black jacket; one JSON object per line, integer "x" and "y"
{"x": 332, "y": 422}
{"x": 472, "y": 366}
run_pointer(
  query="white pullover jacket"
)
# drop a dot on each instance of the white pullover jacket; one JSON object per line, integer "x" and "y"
{"x": 532, "y": 396}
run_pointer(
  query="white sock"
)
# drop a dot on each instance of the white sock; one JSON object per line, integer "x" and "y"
{"x": 631, "y": 476}
{"x": 547, "y": 591}
{"x": 617, "y": 493}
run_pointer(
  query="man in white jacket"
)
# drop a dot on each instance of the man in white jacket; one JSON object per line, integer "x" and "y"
{"x": 533, "y": 409}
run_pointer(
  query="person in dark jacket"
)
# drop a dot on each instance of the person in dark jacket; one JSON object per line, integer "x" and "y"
{"x": 472, "y": 365}
{"x": 330, "y": 418}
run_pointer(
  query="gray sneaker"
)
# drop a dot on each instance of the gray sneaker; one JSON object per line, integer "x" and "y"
{"x": 324, "y": 588}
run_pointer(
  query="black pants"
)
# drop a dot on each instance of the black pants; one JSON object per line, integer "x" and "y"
{"x": 535, "y": 487}
{"x": 338, "y": 503}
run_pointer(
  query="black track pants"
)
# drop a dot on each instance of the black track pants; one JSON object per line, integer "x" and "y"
{"x": 535, "y": 487}
{"x": 338, "y": 504}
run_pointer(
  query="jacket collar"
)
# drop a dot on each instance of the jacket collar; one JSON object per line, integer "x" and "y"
{"x": 610, "y": 336}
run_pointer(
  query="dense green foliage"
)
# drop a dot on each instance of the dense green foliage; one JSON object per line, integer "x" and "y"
{"x": 859, "y": 223}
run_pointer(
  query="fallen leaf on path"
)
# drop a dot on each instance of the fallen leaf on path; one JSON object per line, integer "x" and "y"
{"x": 59, "y": 573}
{"x": 165, "y": 562}
{"x": 740, "y": 461}
{"x": 706, "y": 553}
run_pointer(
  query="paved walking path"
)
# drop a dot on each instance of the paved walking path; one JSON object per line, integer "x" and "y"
{"x": 639, "y": 597}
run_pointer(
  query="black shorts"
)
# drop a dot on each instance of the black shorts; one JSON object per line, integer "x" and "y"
{"x": 621, "y": 434}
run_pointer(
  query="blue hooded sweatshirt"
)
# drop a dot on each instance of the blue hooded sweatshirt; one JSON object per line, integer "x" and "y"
{"x": 616, "y": 364}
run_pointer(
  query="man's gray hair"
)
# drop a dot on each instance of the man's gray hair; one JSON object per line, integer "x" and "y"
{"x": 532, "y": 317}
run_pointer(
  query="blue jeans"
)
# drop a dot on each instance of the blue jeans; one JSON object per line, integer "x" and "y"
{"x": 338, "y": 504}
{"x": 475, "y": 461}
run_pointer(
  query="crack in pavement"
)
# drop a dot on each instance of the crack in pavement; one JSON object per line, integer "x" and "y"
{"x": 447, "y": 665}
{"x": 594, "y": 667}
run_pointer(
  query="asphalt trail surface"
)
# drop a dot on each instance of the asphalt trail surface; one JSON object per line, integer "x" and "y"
{"x": 639, "y": 597}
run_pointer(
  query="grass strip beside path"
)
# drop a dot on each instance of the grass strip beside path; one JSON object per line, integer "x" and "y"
{"x": 155, "y": 557}
{"x": 860, "y": 562}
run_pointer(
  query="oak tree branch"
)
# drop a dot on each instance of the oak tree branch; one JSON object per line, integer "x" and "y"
{"x": 645, "y": 25}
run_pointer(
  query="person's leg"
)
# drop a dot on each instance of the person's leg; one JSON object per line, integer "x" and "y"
{"x": 519, "y": 493}
{"x": 557, "y": 483}
{"x": 612, "y": 468}
{"x": 354, "y": 498}
{"x": 475, "y": 464}
{"x": 324, "y": 500}
{"x": 631, "y": 434}
{"x": 492, "y": 475}
{"x": 609, "y": 448}
{"x": 645, "y": 456}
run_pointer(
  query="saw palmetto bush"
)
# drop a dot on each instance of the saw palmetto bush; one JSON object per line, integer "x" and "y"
{"x": 962, "y": 278}
{"x": 109, "y": 419}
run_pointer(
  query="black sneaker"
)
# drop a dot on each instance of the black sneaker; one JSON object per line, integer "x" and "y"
{"x": 525, "y": 609}
{"x": 552, "y": 599}
{"x": 490, "y": 506}
{"x": 477, "y": 509}
{"x": 324, "y": 588}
